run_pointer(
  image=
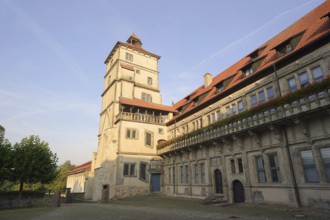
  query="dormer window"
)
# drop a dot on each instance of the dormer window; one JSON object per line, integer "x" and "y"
{"x": 248, "y": 71}
{"x": 196, "y": 101}
{"x": 252, "y": 67}
{"x": 180, "y": 110}
{"x": 255, "y": 54}
{"x": 219, "y": 87}
{"x": 288, "y": 45}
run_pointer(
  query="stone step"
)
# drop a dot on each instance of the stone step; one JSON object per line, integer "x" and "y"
{"x": 212, "y": 199}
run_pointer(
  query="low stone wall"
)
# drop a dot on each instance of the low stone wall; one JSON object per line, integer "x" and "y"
{"x": 77, "y": 196}
{"x": 46, "y": 201}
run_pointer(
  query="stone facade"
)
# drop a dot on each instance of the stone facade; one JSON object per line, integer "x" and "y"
{"x": 267, "y": 138}
{"x": 257, "y": 132}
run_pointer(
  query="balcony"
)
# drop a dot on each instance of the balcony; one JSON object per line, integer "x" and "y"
{"x": 311, "y": 100}
{"x": 138, "y": 117}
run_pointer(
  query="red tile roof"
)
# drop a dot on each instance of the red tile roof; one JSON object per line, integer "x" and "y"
{"x": 81, "y": 168}
{"x": 315, "y": 26}
{"x": 128, "y": 45}
{"x": 149, "y": 105}
{"x": 126, "y": 66}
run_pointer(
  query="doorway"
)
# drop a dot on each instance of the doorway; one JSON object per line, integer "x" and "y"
{"x": 155, "y": 182}
{"x": 218, "y": 181}
{"x": 238, "y": 191}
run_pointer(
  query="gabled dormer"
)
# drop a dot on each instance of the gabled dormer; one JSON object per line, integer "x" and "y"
{"x": 255, "y": 54}
{"x": 253, "y": 66}
{"x": 288, "y": 45}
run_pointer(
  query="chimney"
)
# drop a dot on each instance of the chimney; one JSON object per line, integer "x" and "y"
{"x": 207, "y": 79}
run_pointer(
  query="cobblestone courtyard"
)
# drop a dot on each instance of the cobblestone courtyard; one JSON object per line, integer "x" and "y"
{"x": 159, "y": 207}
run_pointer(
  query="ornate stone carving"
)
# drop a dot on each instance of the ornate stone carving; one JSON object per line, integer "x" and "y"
{"x": 256, "y": 138}
{"x": 276, "y": 131}
{"x": 303, "y": 128}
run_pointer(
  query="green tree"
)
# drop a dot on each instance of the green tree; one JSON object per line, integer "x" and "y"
{"x": 5, "y": 159}
{"x": 59, "y": 182}
{"x": 33, "y": 162}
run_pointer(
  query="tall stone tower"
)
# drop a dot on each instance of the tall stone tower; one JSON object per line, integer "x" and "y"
{"x": 132, "y": 121}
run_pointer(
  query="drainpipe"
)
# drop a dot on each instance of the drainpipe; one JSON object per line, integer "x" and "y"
{"x": 293, "y": 176}
{"x": 286, "y": 142}
{"x": 276, "y": 79}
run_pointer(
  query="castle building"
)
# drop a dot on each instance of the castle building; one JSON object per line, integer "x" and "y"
{"x": 257, "y": 132}
{"x": 132, "y": 121}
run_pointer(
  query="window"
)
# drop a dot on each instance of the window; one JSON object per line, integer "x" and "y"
{"x": 213, "y": 117}
{"x": 129, "y": 169}
{"x": 208, "y": 119}
{"x": 160, "y": 131}
{"x": 137, "y": 71}
{"x": 219, "y": 87}
{"x": 187, "y": 173}
{"x": 240, "y": 106}
{"x": 309, "y": 167}
{"x": 146, "y": 97}
{"x": 292, "y": 84}
{"x": 201, "y": 122}
{"x": 325, "y": 154}
{"x": 234, "y": 109}
{"x": 218, "y": 115}
{"x": 289, "y": 45}
{"x": 182, "y": 174}
{"x": 184, "y": 171}
{"x": 173, "y": 174}
{"x": 274, "y": 168}
{"x": 262, "y": 97}
{"x": 129, "y": 57}
{"x": 248, "y": 71}
{"x": 232, "y": 166}
{"x": 202, "y": 165}
{"x": 303, "y": 78}
{"x": 254, "y": 100}
{"x": 228, "y": 111}
{"x": 149, "y": 139}
{"x": 143, "y": 171}
{"x": 169, "y": 175}
{"x": 240, "y": 165}
{"x": 317, "y": 73}
{"x": 149, "y": 81}
{"x": 260, "y": 169}
{"x": 270, "y": 93}
{"x": 131, "y": 133}
{"x": 196, "y": 172}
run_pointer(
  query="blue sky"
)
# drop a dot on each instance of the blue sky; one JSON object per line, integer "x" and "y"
{"x": 52, "y": 56}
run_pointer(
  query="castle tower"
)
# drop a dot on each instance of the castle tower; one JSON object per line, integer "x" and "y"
{"x": 132, "y": 121}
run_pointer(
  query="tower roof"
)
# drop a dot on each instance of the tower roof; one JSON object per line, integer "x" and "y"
{"x": 134, "y": 40}
{"x": 134, "y": 43}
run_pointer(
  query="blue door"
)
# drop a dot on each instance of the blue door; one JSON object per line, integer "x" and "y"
{"x": 155, "y": 182}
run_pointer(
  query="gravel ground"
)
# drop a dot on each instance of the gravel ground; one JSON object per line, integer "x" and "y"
{"x": 159, "y": 207}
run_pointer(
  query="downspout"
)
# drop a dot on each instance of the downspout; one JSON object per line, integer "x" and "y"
{"x": 294, "y": 181}
{"x": 286, "y": 142}
{"x": 276, "y": 79}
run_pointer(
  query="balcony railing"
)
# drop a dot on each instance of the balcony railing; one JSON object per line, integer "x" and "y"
{"x": 146, "y": 118}
{"x": 280, "y": 109}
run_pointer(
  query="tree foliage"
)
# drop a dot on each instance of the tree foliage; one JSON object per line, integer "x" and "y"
{"x": 5, "y": 159}
{"x": 33, "y": 162}
{"x": 59, "y": 182}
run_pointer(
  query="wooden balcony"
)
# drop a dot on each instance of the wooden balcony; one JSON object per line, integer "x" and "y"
{"x": 138, "y": 117}
{"x": 313, "y": 103}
